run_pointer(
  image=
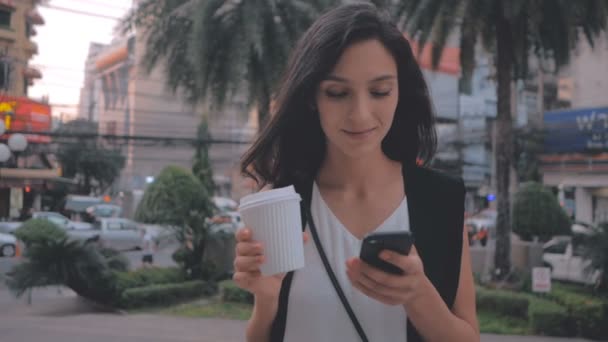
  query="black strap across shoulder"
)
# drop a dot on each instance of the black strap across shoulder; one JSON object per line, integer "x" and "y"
{"x": 429, "y": 192}
{"x": 332, "y": 276}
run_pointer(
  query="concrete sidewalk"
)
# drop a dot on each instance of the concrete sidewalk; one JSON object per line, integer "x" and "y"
{"x": 63, "y": 317}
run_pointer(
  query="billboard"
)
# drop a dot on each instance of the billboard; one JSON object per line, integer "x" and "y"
{"x": 26, "y": 115}
{"x": 576, "y": 130}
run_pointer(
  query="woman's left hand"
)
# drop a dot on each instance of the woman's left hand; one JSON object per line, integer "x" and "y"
{"x": 388, "y": 288}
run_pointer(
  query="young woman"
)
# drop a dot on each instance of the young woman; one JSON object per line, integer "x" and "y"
{"x": 352, "y": 123}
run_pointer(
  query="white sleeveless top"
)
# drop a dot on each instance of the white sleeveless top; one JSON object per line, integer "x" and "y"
{"x": 315, "y": 312}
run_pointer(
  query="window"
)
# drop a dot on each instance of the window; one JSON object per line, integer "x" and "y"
{"x": 5, "y": 18}
{"x": 5, "y": 75}
{"x": 129, "y": 225}
{"x": 558, "y": 248}
{"x": 579, "y": 250}
{"x": 114, "y": 226}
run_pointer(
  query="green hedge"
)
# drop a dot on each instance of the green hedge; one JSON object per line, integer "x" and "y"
{"x": 562, "y": 312}
{"x": 166, "y": 294}
{"x": 148, "y": 276}
{"x": 590, "y": 314}
{"x": 232, "y": 293}
{"x": 549, "y": 318}
{"x": 503, "y": 302}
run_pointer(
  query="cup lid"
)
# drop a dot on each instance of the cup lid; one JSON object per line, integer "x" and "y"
{"x": 269, "y": 196}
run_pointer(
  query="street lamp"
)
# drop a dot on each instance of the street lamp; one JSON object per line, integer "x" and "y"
{"x": 5, "y": 153}
{"x": 17, "y": 143}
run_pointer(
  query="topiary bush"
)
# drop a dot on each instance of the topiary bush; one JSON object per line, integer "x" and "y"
{"x": 589, "y": 313}
{"x": 549, "y": 318}
{"x": 165, "y": 294}
{"x": 536, "y": 212}
{"x": 502, "y": 302}
{"x": 177, "y": 199}
{"x": 148, "y": 276}
{"x": 37, "y": 230}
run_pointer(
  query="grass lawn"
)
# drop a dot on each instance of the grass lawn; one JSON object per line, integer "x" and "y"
{"x": 493, "y": 323}
{"x": 213, "y": 309}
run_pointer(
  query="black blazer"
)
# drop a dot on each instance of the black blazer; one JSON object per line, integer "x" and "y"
{"x": 436, "y": 211}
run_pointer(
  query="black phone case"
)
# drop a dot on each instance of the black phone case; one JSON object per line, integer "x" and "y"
{"x": 373, "y": 244}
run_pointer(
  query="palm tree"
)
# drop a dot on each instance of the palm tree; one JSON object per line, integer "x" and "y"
{"x": 513, "y": 30}
{"x": 216, "y": 49}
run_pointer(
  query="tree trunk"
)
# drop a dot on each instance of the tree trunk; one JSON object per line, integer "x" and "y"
{"x": 504, "y": 146}
{"x": 87, "y": 185}
{"x": 263, "y": 108}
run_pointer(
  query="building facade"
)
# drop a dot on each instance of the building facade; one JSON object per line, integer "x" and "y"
{"x": 154, "y": 126}
{"x": 575, "y": 162}
{"x": 26, "y": 173}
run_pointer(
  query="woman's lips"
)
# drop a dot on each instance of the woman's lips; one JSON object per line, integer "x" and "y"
{"x": 359, "y": 134}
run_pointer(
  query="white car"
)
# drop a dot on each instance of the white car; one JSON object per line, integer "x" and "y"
{"x": 121, "y": 233}
{"x": 565, "y": 259}
{"x": 8, "y": 245}
{"x": 61, "y": 220}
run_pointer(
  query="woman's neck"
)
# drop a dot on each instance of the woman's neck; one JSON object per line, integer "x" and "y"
{"x": 360, "y": 175}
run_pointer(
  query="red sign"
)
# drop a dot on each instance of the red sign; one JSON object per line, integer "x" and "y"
{"x": 26, "y": 115}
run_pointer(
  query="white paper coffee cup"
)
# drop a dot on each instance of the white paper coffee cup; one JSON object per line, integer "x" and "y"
{"x": 275, "y": 220}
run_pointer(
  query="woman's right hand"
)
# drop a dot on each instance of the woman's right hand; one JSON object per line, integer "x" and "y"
{"x": 247, "y": 275}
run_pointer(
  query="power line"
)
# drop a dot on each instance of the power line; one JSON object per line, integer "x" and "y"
{"x": 79, "y": 12}
{"x": 193, "y": 141}
{"x": 104, "y": 4}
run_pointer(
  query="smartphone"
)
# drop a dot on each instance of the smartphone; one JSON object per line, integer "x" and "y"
{"x": 400, "y": 242}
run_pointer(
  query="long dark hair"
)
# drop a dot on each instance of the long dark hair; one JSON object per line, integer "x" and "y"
{"x": 291, "y": 147}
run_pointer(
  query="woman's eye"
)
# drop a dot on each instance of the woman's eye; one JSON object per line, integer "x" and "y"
{"x": 335, "y": 94}
{"x": 376, "y": 93}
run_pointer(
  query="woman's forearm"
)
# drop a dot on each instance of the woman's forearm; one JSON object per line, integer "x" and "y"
{"x": 435, "y": 322}
{"x": 260, "y": 323}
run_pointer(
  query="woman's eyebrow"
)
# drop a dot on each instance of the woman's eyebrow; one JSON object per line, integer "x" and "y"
{"x": 344, "y": 80}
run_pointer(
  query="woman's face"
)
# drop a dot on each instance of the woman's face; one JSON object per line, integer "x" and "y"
{"x": 358, "y": 99}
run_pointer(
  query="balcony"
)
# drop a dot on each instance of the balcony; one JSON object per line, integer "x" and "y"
{"x": 7, "y": 34}
{"x": 31, "y": 48}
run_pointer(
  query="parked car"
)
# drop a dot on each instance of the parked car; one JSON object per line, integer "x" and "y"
{"x": 9, "y": 227}
{"x": 61, "y": 220}
{"x": 565, "y": 259}
{"x": 8, "y": 245}
{"x": 120, "y": 233}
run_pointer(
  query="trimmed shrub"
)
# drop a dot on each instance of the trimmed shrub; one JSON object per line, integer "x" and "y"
{"x": 36, "y": 230}
{"x": 232, "y": 293}
{"x": 590, "y": 314}
{"x": 536, "y": 212}
{"x": 149, "y": 276}
{"x": 549, "y": 318}
{"x": 166, "y": 294}
{"x": 503, "y": 302}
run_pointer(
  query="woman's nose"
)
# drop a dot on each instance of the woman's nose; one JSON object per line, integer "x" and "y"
{"x": 360, "y": 107}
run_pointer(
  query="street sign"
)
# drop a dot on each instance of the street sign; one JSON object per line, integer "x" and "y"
{"x": 541, "y": 279}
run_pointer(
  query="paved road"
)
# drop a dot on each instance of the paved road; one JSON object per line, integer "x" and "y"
{"x": 62, "y": 317}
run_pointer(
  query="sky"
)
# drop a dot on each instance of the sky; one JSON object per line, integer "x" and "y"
{"x": 63, "y": 44}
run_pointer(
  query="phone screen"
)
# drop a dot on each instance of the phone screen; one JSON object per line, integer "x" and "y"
{"x": 373, "y": 244}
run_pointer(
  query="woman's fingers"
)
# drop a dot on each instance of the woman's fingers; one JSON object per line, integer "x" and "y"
{"x": 243, "y": 235}
{"x": 248, "y": 263}
{"x": 249, "y": 248}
